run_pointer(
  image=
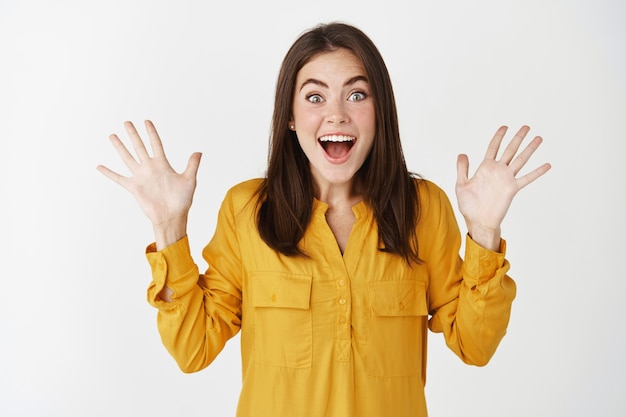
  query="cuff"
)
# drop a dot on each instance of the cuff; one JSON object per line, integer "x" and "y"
{"x": 481, "y": 264}
{"x": 172, "y": 265}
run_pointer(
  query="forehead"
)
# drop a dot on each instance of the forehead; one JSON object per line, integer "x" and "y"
{"x": 338, "y": 63}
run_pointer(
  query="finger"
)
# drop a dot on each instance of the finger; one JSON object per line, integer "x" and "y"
{"x": 135, "y": 139}
{"x": 494, "y": 145}
{"x": 513, "y": 146}
{"x": 121, "y": 150}
{"x": 533, "y": 175}
{"x": 462, "y": 169}
{"x": 192, "y": 165}
{"x": 521, "y": 160}
{"x": 112, "y": 175}
{"x": 155, "y": 140}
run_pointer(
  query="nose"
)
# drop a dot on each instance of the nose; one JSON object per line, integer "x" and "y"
{"x": 337, "y": 113}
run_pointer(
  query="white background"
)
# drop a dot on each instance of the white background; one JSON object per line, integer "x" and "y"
{"x": 77, "y": 337}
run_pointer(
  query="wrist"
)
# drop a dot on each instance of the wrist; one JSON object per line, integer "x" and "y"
{"x": 169, "y": 232}
{"x": 488, "y": 238}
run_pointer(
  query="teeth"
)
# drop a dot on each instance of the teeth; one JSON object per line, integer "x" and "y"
{"x": 337, "y": 138}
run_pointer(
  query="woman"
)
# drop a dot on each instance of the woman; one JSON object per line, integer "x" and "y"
{"x": 331, "y": 265}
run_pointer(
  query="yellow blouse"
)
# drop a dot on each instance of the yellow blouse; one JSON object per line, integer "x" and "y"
{"x": 331, "y": 335}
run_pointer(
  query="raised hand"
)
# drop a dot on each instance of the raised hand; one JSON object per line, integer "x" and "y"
{"x": 485, "y": 198}
{"x": 164, "y": 195}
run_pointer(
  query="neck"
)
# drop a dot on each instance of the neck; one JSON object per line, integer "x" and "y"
{"x": 337, "y": 196}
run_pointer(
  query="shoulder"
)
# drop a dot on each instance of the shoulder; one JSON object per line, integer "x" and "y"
{"x": 240, "y": 195}
{"x": 433, "y": 200}
{"x": 246, "y": 188}
{"x": 428, "y": 190}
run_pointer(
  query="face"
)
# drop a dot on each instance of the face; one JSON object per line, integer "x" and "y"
{"x": 333, "y": 115}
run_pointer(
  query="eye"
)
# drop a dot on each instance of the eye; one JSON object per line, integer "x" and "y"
{"x": 315, "y": 98}
{"x": 357, "y": 96}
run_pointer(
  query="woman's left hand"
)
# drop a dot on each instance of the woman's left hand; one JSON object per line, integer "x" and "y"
{"x": 485, "y": 198}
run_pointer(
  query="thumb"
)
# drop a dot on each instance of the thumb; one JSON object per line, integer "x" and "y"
{"x": 462, "y": 169}
{"x": 192, "y": 165}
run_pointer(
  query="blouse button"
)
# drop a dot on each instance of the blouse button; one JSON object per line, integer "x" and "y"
{"x": 486, "y": 264}
{"x": 342, "y": 301}
{"x": 341, "y": 282}
{"x": 401, "y": 306}
{"x": 273, "y": 297}
{"x": 342, "y": 320}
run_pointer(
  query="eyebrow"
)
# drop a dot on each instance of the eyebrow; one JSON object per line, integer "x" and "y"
{"x": 323, "y": 84}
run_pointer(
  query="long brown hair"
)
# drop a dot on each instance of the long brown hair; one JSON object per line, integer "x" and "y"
{"x": 286, "y": 194}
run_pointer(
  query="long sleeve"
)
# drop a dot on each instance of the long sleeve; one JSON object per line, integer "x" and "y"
{"x": 469, "y": 300}
{"x": 341, "y": 334}
{"x": 205, "y": 311}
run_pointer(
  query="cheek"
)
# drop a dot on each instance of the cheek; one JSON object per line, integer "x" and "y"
{"x": 367, "y": 117}
{"x": 368, "y": 124}
{"x": 307, "y": 144}
{"x": 311, "y": 118}
{"x": 303, "y": 111}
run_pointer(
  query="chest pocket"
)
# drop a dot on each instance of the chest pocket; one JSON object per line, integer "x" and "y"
{"x": 283, "y": 329}
{"x": 396, "y": 343}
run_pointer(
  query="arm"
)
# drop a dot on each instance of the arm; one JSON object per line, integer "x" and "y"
{"x": 469, "y": 301}
{"x": 197, "y": 314}
{"x": 204, "y": 311}
{"x": 164, "y": 195}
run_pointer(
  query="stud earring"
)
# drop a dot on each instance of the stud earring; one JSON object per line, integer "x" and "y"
{"x": 292, "y": 127}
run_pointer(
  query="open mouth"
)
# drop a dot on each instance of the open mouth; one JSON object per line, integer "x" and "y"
{"x": 337, "y": 146}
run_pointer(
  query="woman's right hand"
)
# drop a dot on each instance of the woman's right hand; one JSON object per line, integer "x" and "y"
{"x": 164, "y": 195}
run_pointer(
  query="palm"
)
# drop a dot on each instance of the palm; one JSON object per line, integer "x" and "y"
{"x": 485, "y": 198}
{"x": 163, "y": 194}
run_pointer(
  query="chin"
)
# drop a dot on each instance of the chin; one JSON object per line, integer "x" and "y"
{"x": 339, "y": 178}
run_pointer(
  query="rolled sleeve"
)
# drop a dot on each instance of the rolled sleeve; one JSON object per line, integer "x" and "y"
{"x": 482, "y": 264}
{"x": 173, "y": 267}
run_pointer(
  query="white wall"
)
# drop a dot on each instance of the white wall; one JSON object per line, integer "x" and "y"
{"x": 77, "y": 337}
